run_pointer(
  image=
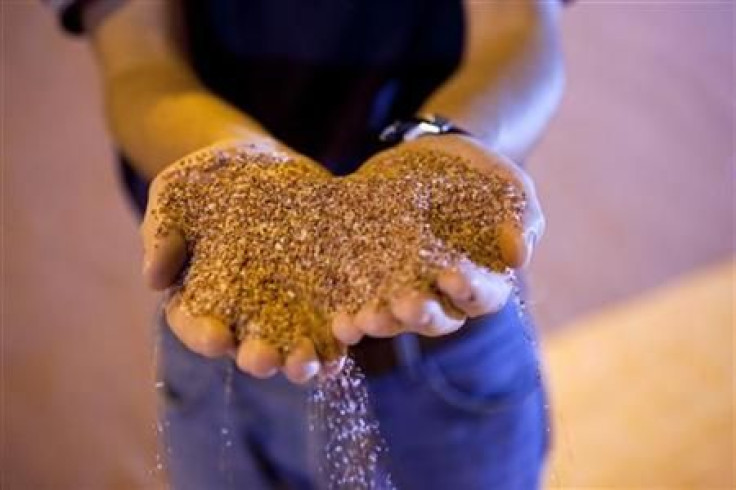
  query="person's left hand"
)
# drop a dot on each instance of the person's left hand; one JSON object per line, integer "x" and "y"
{"x": 466, "y": 290}
{"x": 166, "y": 255}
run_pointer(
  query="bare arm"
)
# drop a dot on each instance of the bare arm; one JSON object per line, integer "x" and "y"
{"x": 157, "y": 110}
{"x": 511, "y": 79}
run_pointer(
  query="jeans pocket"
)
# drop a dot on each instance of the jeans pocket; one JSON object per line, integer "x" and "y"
{"x": 490, "y": 369}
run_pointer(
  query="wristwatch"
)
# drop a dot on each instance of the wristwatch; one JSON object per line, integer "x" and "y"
{"x": 416, "y": 127}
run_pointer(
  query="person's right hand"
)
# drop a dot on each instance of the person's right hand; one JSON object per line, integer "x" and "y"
{"x": 463, "y": 290}
{"x": 165, "y": 255}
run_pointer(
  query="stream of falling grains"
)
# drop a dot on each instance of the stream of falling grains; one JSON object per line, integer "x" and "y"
{"x": 278, "y": 245}
{"x": 226, "y": 431}
{"x": 350, "y": 445}
{"x": 161, "y": 426}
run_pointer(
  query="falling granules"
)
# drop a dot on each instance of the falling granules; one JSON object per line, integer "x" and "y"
{"x": 350, "y": 447}
{"x": 278, "y": 245}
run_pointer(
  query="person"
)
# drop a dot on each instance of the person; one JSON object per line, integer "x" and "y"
{"x": 456, "y": 389}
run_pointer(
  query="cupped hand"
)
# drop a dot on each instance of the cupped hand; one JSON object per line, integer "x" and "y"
{"x": 464, "y": 290}
{"x": 165, "y": 256}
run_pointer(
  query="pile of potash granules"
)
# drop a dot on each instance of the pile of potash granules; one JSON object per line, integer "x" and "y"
{"x": 278, "y": 244}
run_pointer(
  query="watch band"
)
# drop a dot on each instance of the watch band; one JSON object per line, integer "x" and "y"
{"x": 416, "y": 127}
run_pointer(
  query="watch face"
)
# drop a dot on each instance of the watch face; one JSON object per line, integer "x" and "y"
{"x": 439, "y": 121}
{"x": 408, "y": 130}
{"x": 422, "y": 128}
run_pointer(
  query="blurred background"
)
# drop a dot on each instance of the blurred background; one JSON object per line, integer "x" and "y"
{"x": 633, "y": 286}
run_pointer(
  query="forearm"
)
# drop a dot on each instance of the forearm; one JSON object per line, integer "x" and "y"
{"x": 157, "y": 116}
{"x": 157, "y": 109}
{"x": 511, "y": 79}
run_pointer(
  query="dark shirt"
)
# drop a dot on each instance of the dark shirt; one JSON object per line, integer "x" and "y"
{"x": 324, "y": 76}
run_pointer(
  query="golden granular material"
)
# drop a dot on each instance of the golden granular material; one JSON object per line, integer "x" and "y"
{"x": 278, "y": 244}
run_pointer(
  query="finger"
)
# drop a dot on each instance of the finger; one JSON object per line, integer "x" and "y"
{"x": 475, "y": 291}
{"x": 164, "y": 248}
{"x": 454, "y": 283}
{"x": 532, "y": 226}
{"x": 515, "y": 249}
{"x": 518, "y": 239}
{"x": 204, "y": 335}
{"x": 258, "y": 358}
{"x": 345, "y": 330}
{"x": 164, "y": 256}
{"x": 302, "y": 363}
{"x": 377, "y": 321}
{"x": 423, "y": 313}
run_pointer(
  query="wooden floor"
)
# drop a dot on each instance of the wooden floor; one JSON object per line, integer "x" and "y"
{"x": 636, "y": 175}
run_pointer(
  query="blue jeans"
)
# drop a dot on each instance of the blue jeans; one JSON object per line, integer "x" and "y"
{"x": 471, "y": 415}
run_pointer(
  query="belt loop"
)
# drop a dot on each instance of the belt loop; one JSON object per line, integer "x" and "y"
{"x": 408, "y": 352}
